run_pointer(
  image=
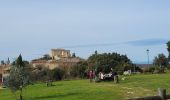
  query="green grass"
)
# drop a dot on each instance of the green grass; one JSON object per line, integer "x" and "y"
{"x": 133, "y": 86}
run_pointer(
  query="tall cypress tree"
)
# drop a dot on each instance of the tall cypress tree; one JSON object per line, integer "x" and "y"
{"x": 168, "y": 48}
{"x": 19, "y": 62}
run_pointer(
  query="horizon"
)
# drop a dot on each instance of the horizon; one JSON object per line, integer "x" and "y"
{"x": 32, "y": 28}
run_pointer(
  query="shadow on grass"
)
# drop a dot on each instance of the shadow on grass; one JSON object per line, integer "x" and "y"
{"x": 55, "y": 96}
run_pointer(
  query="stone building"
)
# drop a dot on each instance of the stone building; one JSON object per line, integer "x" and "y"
{"x": 59, "y": 53}
{"x": 51, "y": 64}
{"x": 4, "y": 71}
{"x": 59, "y": 58}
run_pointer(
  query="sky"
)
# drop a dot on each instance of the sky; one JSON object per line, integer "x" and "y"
{"x": 130, "y": 27}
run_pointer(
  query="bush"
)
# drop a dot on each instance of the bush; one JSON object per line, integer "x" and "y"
{"x": 79, "y": 70}
{"x": 152, "y": 69}
{"x": 57, "y": 74}
{"x": 156, "y": 69}
{"x": 168, "y": 67}
{"x": 40, "y": 74}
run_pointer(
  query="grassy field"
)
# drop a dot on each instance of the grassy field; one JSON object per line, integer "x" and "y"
{"x": 133, "y": 86}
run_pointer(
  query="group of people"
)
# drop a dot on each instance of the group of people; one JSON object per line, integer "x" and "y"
{"x": 101, "y": 76}
{"x": 109, "y": 76}
{"x": 92, "y": 75}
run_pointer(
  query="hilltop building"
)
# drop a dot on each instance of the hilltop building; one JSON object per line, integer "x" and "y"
{"x": 58, "y": 58}
{"x": 59, "y": 53}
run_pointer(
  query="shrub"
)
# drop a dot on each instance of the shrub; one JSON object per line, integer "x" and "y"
{"x": 40, "y": 74}
{"x": 57, "y": 74}
{"x": 79, "y": 70}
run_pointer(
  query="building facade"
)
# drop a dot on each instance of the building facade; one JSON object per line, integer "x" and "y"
{"x": 4, "y": 71}
{"x": 59, "y": 58}
{"x": 59, "y": 53}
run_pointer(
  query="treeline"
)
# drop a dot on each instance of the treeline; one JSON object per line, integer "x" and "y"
{"x": 104, "y": 63}
{"x": 96, "y": 62}
{"x": 161, "y": 62}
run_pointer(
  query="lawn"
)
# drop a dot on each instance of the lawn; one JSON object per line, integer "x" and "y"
{"x": 133, "y": 86}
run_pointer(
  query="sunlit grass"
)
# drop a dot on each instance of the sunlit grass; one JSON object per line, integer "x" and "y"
{"x": 133, "y": 86}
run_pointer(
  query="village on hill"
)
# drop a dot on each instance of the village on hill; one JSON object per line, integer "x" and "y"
{"x": 56, "y": 58}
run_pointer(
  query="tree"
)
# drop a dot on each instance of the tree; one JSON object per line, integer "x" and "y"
{"x": 18, "y": 77}
{"x": 57, "y": 74}
{"x": 46, "y": 57}
{"x": 161, "y": 61}
{"x": 40, "y": 73}
{"x": 8, "y": 61}
{"x": 168, "y": 48}
{"x": 79, "y": 70}
{"x": 96, "y": 52}
{"x": 106, "y": 61}
{"x": 73, "y": 55}
{"x": 2, "y": 62}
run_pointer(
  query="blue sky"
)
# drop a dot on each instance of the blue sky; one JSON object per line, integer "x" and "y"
{"x": 33, "y": 27}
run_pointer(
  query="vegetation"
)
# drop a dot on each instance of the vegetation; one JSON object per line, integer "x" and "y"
{"x": 79, "y": 70}
{"x": 18, "y": 77}
{"x": 161, "y": 61}
{"x": 40, "y": 73}
{"x": 74, "y": 55}
{"x": 133, "y": 86}
{"x": 43, "y": 74}
{"x": 168, "y": 48}
{"x": 57, "y": 74}
{"x": 45, "y": 57}
{"x": 104, "y": 62}
{"x": 2, "y": 62}
{"x": 97, "y": 62}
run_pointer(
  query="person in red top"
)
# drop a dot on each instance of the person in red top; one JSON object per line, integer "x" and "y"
{"x": 91, "y": 75}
